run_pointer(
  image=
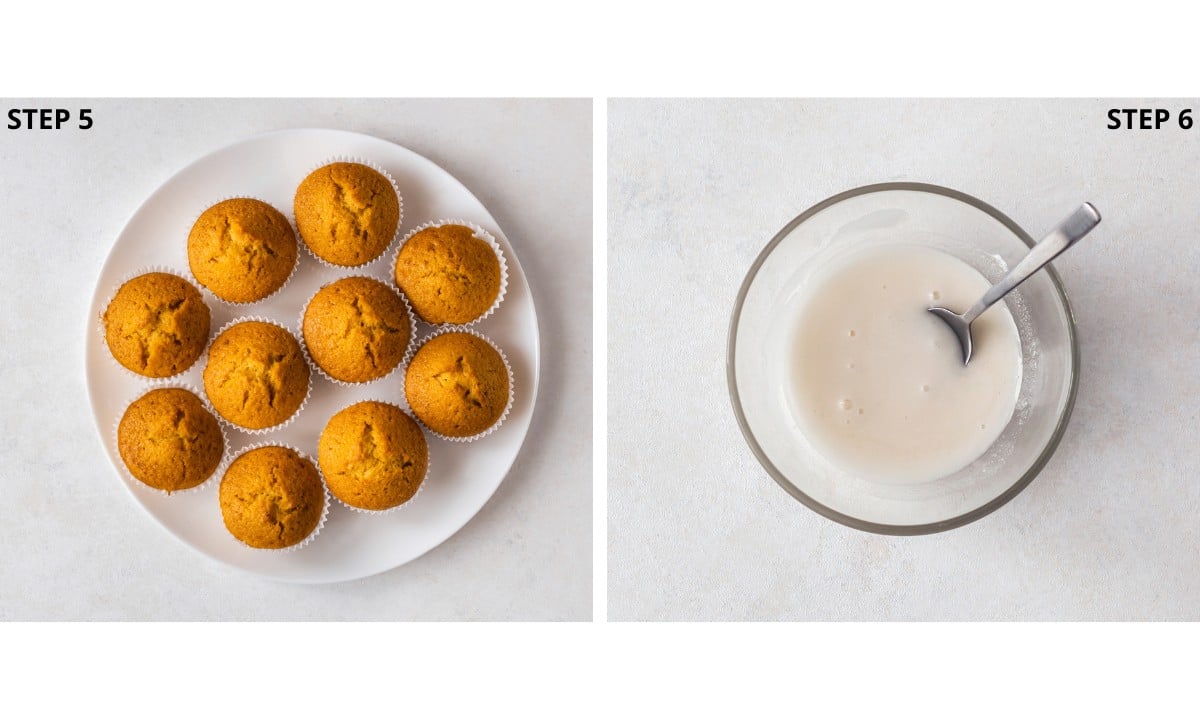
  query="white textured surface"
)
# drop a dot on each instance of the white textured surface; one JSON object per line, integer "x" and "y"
{"x": 697, "y": 530}
{"x": 74, "y": 545}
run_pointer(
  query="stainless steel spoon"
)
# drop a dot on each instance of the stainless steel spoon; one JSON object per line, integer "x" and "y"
{"x": 1064, "y": 235}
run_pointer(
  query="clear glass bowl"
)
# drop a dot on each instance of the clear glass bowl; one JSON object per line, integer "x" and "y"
{"x": 908, "y": 213}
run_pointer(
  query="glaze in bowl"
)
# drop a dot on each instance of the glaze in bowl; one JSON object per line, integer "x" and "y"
{"x": 907, "y": 213}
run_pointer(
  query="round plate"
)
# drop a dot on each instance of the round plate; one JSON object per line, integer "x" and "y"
{"x": 462, "y": 475}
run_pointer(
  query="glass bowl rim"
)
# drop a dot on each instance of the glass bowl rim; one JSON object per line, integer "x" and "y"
{"x": 849, "y": 520}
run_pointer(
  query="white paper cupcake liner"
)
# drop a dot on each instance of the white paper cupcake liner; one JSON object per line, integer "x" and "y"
{"x": 507, "y": 366}
{"x": 243, "y": 305}
{"x": 408, "y": 350}
{"x": 324, "y": 490}
{"x": 307, "y": 393}
{"x": 480, "y": 233}
{"x": 100, "y": 325}
{"x": 399, "y": 220}
{"x": 160, "y": 385}
{"x": 428, "y": 463}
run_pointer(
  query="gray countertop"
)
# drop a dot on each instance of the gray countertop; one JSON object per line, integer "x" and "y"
{"x": 697, "y": 529}
{"x": 74, "y": 545}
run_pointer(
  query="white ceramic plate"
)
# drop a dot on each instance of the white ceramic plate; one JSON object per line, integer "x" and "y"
{"x": 463, "y": 475}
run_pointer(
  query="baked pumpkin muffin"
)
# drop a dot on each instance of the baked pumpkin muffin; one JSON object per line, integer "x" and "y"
{"x": 448, "y": 274}
{"x": 169, "y": 440}
{"x": 373, "y": 456}
{"x": 457, "y": 384}
{"x": 256, "y": 376}
{"x": 356, "y": 329}
{"x": 347, "y": 213}
{"x": 271, "y": 497}
{"x": 242, "y": 250}
{"x": 156, "y": 325}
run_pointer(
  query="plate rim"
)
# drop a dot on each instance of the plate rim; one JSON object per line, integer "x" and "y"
{"x": 849, "y": 520}
{"x": 94, "y": 306}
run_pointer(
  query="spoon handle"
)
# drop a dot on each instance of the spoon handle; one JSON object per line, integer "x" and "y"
{"x": 1064, "y": 235}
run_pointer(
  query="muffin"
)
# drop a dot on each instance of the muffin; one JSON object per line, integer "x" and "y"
{"x": 271, "y": 497}
{"x": 256, "y": 376}
{"x": 448, "y": 274}
{"x": 356, "y": 329}
{"x": 457, "y": 384}
{"x": 242, "y": 250}
{"x": 373, "y": 456}
{"x": 347, "y": 213}
{"x": 169, "y": 440}
{"x": 156, "y": 325}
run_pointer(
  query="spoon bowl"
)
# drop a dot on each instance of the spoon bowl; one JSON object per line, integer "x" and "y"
{"x": 961, "y": 328}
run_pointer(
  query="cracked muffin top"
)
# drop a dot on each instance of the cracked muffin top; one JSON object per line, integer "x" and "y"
{"x": 156, "y": 325}
{"x": 373, "y": 456}
{"x": 169, "y": 440}
{"x": 242, "y": 250}
{"x": 356, "y": 329}
{"x": 256, "y": 376}
{"x": 457, "y": 384}
{"x": 448, "y": 274}
{"x": 271, "y": 497}
{"x": 347, "y": 213}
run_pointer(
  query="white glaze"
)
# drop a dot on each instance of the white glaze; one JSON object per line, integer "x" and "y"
{"x": 877, "y": 383}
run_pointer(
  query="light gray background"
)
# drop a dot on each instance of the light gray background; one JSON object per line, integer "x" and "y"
{"x": 697, "y": 530}
{"x": 74, "y": 545}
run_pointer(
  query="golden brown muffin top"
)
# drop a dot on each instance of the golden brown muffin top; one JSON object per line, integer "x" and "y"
{"x": 457, "y": 384}
{"x": 347, "y": 213}
{"x": 373, "y": 456}
{"x": 448, "y": 274}
{"x": 356, "y": 329}
{"x": 271, "y": 497}
{"x": 256, "y": 375}
{"x": 242, "y": 250}
{"x": 156, "y": 325}
{"x": 169, "y": 440}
